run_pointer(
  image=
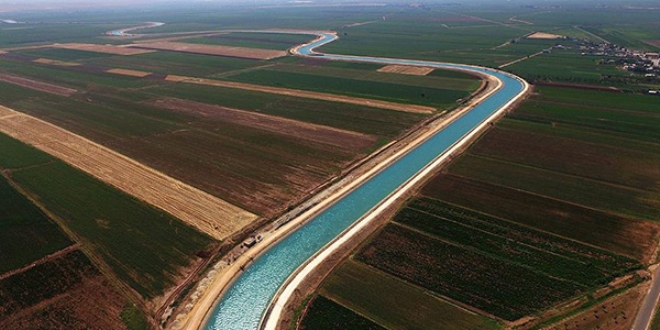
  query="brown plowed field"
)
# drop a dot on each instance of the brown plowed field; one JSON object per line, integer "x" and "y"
{"x": 106, "y": 49}
{"x": 130, "y": 73}
{"x": 305, "y": 94}
{"x": 65, "y": 293}
{"x": 302, "y": 130}
{"x": 37, "y": 85}
{"x": 404, "y": 69}
{"x": 215, "y": 50}
{"x": 205, "y": 212}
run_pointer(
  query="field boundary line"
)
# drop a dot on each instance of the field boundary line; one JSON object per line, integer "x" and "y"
{"x": 305, "y": 94}
{"x": 207, "y": 213}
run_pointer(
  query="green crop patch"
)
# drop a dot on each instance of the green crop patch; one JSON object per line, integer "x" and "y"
{"x": 498, "y": 287}
{"x": 75, "y": 77}
{"x": 591, "y": 193}
{"x": 14, "y": 154}
{"x": 622, "y": 166}
{"x": 614, "y": 233}
{"x": 513, "y": 243}
{"x": 177, "y": 63}
{"x": 368, "y": 89}
{"x": 145, "y": 247}
{"x": 356, "y": 118}
{"x": 253, "y": 40}
{"x": 62, "y": 54}
{"x": 26, "y": 234}
{"x": 598, "y": 99}
{"x": 325, "y": 314}
{"x": 395, "y": 304}
{"x": 455, "y": 81}
{"x": 43, "y": 281}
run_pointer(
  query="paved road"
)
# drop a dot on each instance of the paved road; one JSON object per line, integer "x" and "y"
{"x": 646, "y": 311}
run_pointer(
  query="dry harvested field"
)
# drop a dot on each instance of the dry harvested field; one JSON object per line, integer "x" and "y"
{"x": 305, "y": 94}
{"x": 106, "y": 49}
{"x": 544, "y": 36}
{"x": 205, "y": 212}
{"x": 54, "y": 62}
{"x": 403, "y": 69}
{"x": 38, "y": 85}
{"x": 302, "y": 130}
{"x": 130, "y": 73}
{"x": 215, "y": 50}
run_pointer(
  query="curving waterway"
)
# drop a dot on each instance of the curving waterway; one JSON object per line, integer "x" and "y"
{"x": 244, "y": 303}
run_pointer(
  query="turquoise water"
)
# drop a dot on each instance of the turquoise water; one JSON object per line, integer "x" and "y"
{"x": 244, "y": 303}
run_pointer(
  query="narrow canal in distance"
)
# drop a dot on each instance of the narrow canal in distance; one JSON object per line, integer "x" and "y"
{"x": 242, "y": 306}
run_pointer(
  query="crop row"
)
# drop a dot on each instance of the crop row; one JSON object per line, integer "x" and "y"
{"x": 43, "y": 281}
{"x": 498, "y": 287}
{"x": 547, "y": 253}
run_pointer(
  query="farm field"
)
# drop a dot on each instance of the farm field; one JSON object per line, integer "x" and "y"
{"x": 213, "y": 50}
{"x": 325, "y": 314}
{"x": 252, "y": 40}
{"x": 624, "y": 236}
{"x": 583, "y": 191}
{"x": 507, "y": 290}
{"x": 146, "y": 248}
{"x": 160, "y": 136}
{"x": 26, "y": 234}
{"x": 393, "y": 303}
{"x": 436, "y": 97}
{"x": 67, "y": 292}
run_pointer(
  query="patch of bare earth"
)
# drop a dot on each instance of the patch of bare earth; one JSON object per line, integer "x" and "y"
{"x": 544, "y": 36}
{"x": 215, "y": 50}
{"x": 55, "y": 62}
{"x": 653, "y": 42}
{"x": 64, "y": 293}
{"x": 37, "y": 85}
{"x": 197, "y": 208}
{"x": 105, "y": 49}
{"x": 617, "y": 313}
{"x": 130, "y": 73}
{"x": 305, "y": 94}
{"x": 311, "y": 132}
{"x": 404, "y": 69}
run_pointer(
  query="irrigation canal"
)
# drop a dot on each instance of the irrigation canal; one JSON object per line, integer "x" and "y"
{"x": 243, "y": 304}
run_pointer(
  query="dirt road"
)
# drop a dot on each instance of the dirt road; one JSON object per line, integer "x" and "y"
{"x": 647, "y": 310}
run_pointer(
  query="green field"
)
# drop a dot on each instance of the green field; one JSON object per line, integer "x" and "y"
{"x": 178, "y": 63}
{"x": 253, "y": 40}
{"x": 43, "y": 282}
{"x": 394, "y": 303}
{"x": 513, "y": 243}
{"x": 621, "y": 235}
{"x": 62, "y": 54}
{"x": 436, "y": 97}
{"x": 145, "y": 247}
{"x": 590, "y": 193}
{"x": 438, "y": 79}
{"x": 26, "y": 234}
{"x": 374, "y": 121}
{"x": 325, "y": 314}
{"x": 504, "y": 289}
